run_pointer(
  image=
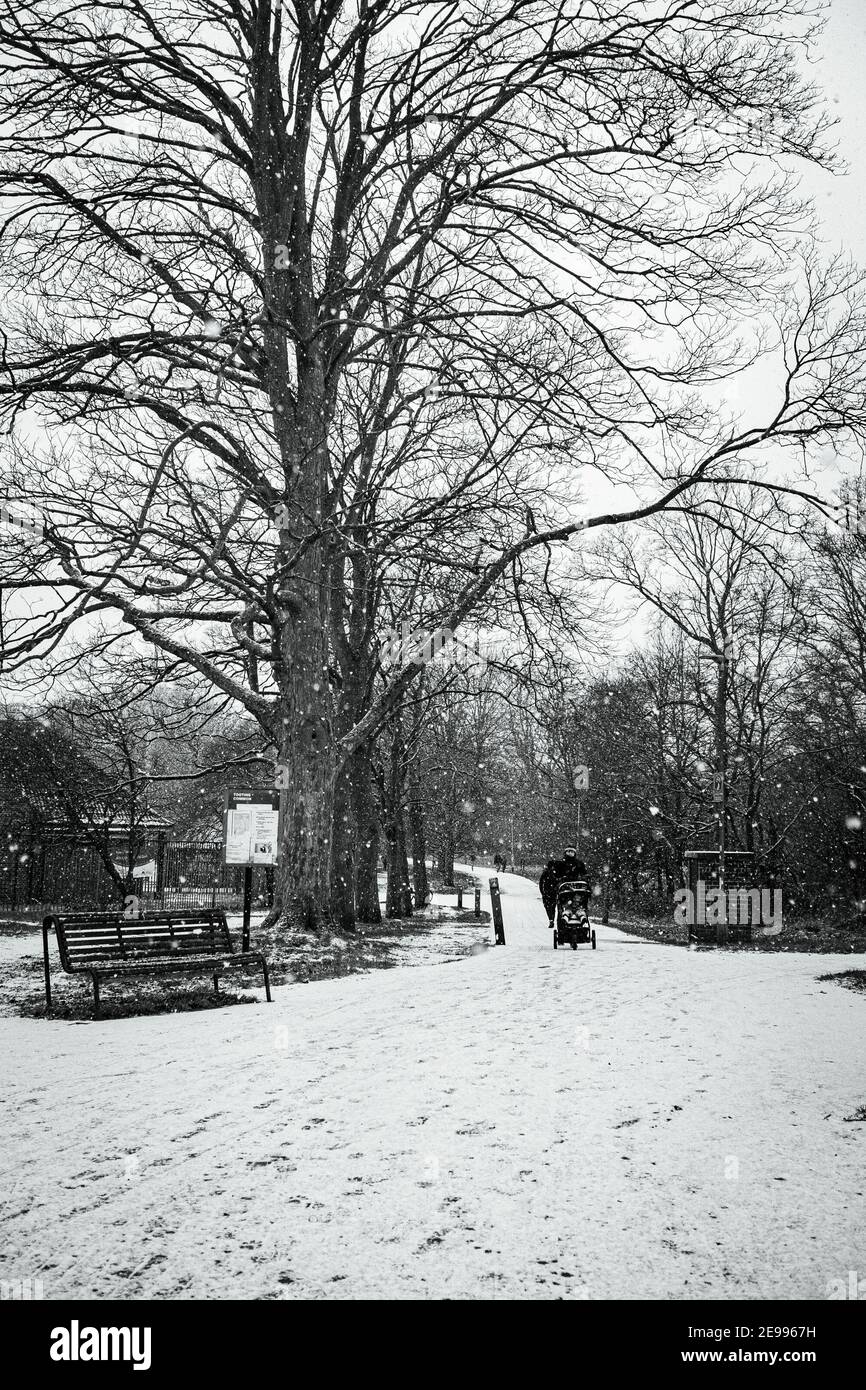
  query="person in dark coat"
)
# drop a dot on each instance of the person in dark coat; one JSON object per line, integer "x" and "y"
{"x": 547, "y": 884}
{"x": 556, "y": 872}
{"x": 569, "y": 866}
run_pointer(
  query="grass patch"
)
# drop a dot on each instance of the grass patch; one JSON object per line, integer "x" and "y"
{"x": 369, "y": 947}
{"x": 849, "y": 979}
{"x": 19, "y": 926}
{"x": 22, "y": 991}
{"x": 461, "y": 880}
{"x": 665, "y": 931}
{"x": 300, "y": 960}
{"x": 808, "y": 938}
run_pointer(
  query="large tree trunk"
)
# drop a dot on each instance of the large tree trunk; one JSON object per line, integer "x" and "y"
{"x": 417, "y": 824}
{"x": 448, "y": 833}
{"x": 366, "y": 828}
{"x": 342, "y": 887}
{"x": 303, "y": 874}
{"x": 418, "y": 836}
{"x": 301, "y": 582}
{"x": 307, "y": 749}
{"x": 446, "y": 854}
{"x": 398, "y": 894}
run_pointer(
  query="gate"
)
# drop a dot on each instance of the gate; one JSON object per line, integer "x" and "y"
{"x": 191, "y": 873}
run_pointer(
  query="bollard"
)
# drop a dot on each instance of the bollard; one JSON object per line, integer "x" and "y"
{"x": 477, "y": 902}
{"x": 496, "y": 905}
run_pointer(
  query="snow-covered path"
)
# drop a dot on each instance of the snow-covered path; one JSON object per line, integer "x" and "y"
{"x": 639, "y": 1121}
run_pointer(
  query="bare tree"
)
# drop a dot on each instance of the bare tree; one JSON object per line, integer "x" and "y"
{"x": 724, "y": 577}
{"x": 294, "y": 290}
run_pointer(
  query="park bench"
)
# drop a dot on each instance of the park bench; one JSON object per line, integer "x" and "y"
{"x": 108, "y": 943}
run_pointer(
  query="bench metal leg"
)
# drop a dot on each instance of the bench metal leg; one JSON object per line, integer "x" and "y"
{"x": 267, "y": 981}
{"x": 95, "y": 995}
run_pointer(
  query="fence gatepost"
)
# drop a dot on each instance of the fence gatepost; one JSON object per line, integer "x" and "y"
{"x": 160, "y": 865}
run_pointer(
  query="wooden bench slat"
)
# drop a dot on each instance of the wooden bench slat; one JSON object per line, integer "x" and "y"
{"x": 205, "y": 934}
{"x": 145, "y": 954}
{"x": 205, "y": 949}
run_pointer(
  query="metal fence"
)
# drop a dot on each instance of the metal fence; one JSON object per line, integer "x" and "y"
{"x": 168, "y": 873}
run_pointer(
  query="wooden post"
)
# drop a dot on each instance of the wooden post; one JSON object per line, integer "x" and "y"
{"x": 248, "y": 902}
{"x": 496, "y": 905}
{"x": 159, "y": 888}
{"x": 477, "y": 902}
{"x": 459, "y": 897}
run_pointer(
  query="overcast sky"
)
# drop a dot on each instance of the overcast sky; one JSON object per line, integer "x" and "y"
{"x": 841, "y": 200}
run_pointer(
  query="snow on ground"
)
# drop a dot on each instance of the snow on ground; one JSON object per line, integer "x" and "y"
{"x": 639, "y": 1121}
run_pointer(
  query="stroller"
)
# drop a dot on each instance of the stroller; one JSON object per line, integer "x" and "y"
{"x": 572, "y": 915}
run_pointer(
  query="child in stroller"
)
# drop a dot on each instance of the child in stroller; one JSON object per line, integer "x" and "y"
{"x": 572, "y": 914}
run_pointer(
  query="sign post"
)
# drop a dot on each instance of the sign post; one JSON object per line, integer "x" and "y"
{"x": 580, "y": 780}
{"x": 248, "y": 907}
{"x": 251, "y": 835}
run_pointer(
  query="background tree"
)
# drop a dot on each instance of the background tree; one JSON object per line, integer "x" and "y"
{"x": 248, "y": 248}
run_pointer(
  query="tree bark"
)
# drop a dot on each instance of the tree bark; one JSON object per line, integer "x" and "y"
{"x": 448, "y": 833}
{"x": 398, "y": 894}
{"x": 308, "y": 752}
{"x": 418, "y": 836}
{"x": 366, "y": 830}
{"x": 446, "y": 854}
{"x": 342, "y": 876}
{"x": 398, "y": 897}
